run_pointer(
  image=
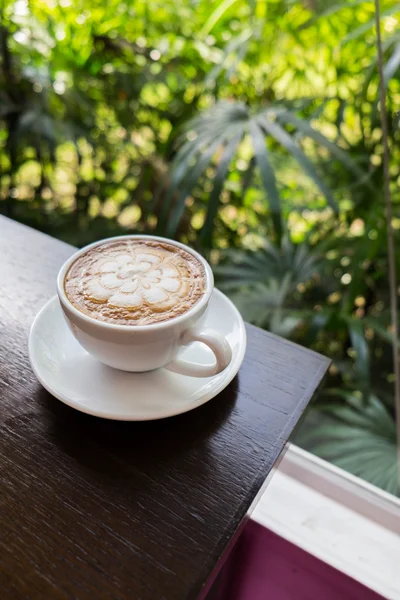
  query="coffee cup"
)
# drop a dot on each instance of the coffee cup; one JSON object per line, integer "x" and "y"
{"x": 139, "y": 348}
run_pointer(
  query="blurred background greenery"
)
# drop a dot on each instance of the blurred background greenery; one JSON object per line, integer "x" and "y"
{"x": 249, "y": 130}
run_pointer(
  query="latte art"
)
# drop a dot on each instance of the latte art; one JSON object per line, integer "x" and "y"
{"x": 132, "y": 279}
{"x": 135, "y": 282}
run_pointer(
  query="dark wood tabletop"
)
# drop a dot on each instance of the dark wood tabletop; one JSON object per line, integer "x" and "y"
{"x": 93, "y": 509}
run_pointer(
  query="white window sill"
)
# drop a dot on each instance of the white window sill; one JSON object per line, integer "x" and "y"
{"x": 336, "y": 517}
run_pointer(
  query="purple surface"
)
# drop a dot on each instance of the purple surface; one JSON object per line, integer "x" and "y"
{"x": 264, "y": 566}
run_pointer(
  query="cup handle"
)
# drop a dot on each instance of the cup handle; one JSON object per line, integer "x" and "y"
{"x": 215, "y": 341}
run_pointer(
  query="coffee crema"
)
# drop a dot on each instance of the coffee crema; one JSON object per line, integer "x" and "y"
{"x": 135, "y": 281}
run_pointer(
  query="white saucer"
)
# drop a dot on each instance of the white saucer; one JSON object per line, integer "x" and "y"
{"x": 74, "y": 377}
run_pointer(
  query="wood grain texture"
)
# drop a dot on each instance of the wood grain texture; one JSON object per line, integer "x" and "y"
{"x": 95, "y": 509}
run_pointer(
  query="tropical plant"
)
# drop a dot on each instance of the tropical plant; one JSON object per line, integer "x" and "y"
{"x": 248, "y": 130}
{"x": 358, "y": 436}
{"x": 220, "y": 130}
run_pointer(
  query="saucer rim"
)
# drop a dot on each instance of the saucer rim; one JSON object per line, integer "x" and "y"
{"x": 233, "y": 369}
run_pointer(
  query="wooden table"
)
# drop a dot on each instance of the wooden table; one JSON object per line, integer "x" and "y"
{"x": 93, "y": 509}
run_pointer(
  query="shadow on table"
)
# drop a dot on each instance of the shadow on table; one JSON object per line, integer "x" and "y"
{"x": 151, "y": 446}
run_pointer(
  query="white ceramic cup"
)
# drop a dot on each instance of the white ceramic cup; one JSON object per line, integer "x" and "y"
{"x": 147, "y": 347}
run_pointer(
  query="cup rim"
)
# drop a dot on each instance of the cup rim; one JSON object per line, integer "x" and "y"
{"x": 139, "y": 328}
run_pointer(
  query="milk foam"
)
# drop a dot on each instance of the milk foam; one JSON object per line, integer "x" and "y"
{"x": 135, "y": 281}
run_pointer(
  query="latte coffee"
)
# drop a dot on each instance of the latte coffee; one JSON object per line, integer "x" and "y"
{"x": 135, "y": 281}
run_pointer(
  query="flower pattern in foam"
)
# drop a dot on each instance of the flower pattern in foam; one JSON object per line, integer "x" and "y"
{"x": 131, "y": 279}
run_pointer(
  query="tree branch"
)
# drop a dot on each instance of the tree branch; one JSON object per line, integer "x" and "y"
{"x": 390, "y": 235}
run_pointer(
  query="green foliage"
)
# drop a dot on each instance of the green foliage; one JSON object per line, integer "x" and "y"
{"x": 357, "y": 436}
{"x": 249, "y": 130}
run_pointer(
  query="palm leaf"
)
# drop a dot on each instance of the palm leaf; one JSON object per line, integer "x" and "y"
{"x": 216, "y": 16}
{"x": 379, "y": 328}
{"x": 359, "y": 437}
{"x": 285, "y": 140}
{"x": 389, "y": 71}
{"x": 304, "y": 127}
{"x": 219, "y": 179}
{"x": 267, "y": 176}
{"x": 261, "y": 283}
{"x": 238, "y": 45}
{"x": 207, "y": 128}
{"x": 259, "y": 304}
{"x": 360, "y": 345}
{"x": 222, "y": 123}
{"x": 331, "y": 10}
{"x": 388, "y": 43}
{"x": 211, "y": 130}
{"x": 392, "y": 64}
{"x": 248, "y": 176}
{"x": 297, "y": 261}
{"x": 186, "y": 186}
{"x": 220, "y": 116}
{"x": 362, "y": 29}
